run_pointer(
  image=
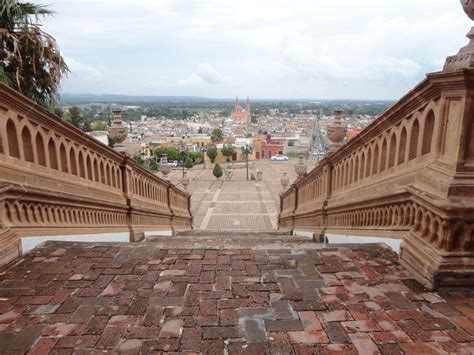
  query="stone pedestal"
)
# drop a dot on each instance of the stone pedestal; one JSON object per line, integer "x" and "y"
{"x": 465, "y": 56}
{"x": 285, "y": 181}
{"x": 118, "y": 132}
{"x": 336, "y": 131}
{"x": 9, "y": 247}
{"x": 301, "y": 168}
{"x": 436, "y": 268}
{"x": 185, "y": 180}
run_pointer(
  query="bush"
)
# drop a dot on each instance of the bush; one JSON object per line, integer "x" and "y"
{"x": 212, "y": 153}
{"x": 188, "y": 163}
{"x": 217, "y": 172}
{"x": 227, "y": 151}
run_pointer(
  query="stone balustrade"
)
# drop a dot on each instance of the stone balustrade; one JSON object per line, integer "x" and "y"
{"x": 56, "y": 180}
{"x": 410, "y": 174}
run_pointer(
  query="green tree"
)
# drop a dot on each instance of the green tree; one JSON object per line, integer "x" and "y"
{"x": 152, "y": 165}
{"x": 217, "y": 135}
{"x": 188, "y": 163}
{"x": 110, "y": 141}
{"x": 173, "y": 153}
{"x": 76, "y": 118}
{"x": 212, "y": 153}
{"x": 139, "y": 159}
{"x": 30, "y": 60}
{"x": 217, "y": 171}
{"x": 99, "y": 126}
{"x": 227, "y": 151}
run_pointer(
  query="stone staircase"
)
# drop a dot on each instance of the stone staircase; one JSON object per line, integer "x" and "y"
{"x": 224, "y": 239}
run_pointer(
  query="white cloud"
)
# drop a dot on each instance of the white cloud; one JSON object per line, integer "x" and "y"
{"x": 205, "y": 74}
{"x": 265, "y": 48}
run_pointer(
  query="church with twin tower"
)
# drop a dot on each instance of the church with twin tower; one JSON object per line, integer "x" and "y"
{"x": 241, "y": 115}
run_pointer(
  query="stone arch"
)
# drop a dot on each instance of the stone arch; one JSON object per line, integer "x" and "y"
{"x": 108, "y": 175}
{"x": 96, "y": 170}
{"x": 351, "y": 171}
{"x": 392, "y": 151}
{"x": 428, "y": 131}
{"x": 89, "y": 168}
{"x": 375, "y": 167}
{"x": 82, "y": 169}
{"x": 418, "y": 218}
{"x": 403, "y": 146}
{"x": 356, "y": 168}
{"x": 102, "y": 172}
{"x": 53, "y": 158}
{"x": 362, "y": 166}
{"x": 72, "y": 160}
{"x": 12, "y": 138}
{"x": 369, "y": 162}
{"x": 27, "y": 145}
{"x": 114, "y": 176}
{"x": 415, "y": 131}
{"x": 63, "y": 157}
{"x": 383, "y": 156}
{"x": 40, "y": 152}
{"x": 435, "y": 230}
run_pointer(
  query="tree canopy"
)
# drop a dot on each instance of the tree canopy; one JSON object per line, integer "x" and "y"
{"x": 217, "y": 171}
{"x": 217, "y": 135}
{"x": 228, "y": 151}
{"x": 212, "y": 153}
{"x": 30, "y": 60}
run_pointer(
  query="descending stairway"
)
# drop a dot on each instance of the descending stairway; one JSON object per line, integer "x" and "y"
{"x": 215, "y": 239}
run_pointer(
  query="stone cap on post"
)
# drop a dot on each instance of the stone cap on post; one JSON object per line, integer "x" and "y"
{"x": 465, "y": 56}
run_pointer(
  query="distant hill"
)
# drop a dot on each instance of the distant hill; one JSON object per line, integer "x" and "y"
{"x": 109, "y": 98}
{"x": 76, "y": 99}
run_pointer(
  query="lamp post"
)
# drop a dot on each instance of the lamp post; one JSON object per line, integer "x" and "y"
{"x": 246, "y": 150}
{"x": 183, "y": 152}
{"x": 203, "y": 151}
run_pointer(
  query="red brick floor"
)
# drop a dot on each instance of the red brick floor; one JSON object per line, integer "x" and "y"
{"x": 68, "y": 298}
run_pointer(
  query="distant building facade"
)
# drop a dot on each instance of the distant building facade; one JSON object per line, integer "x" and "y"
{"x": 270, "y": 147}
{"x": 241, "y": 115}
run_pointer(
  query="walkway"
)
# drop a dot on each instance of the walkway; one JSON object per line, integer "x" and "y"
{"x": 211, "y": 294}
{"x": 235, "y": 203}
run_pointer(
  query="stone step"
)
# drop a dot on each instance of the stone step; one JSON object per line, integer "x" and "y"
{"x": 220, "y": 233}
{"x": 232, "y": 239}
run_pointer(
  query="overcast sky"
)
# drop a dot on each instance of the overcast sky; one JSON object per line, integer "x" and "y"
{"x": 345, "y": 49}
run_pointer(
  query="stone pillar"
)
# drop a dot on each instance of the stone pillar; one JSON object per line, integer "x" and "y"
{"x": 336, "y": 131}
{"x": 439, "y": 248}
{"x": 9, "y": 246}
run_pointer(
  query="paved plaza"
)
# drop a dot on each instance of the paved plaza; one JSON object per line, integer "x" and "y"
{"x": 235, "y": 203}
{"x": 210, "y": 295}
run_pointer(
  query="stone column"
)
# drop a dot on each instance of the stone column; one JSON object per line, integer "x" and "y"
{"x": 439, "y": 248}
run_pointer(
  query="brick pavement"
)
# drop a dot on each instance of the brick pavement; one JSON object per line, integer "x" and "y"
{"x": 150, "y": 297}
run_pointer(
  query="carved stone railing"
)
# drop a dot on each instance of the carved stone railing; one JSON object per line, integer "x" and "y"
{"x": 56, "y": 180}
{"x": 410, "y": 174}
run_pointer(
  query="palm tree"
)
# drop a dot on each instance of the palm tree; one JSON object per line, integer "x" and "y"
{"x": 30, "y": 61}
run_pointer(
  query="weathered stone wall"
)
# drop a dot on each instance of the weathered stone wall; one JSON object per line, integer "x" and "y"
{"x": 56, "y": 180}
{"x": 409, "y": 174}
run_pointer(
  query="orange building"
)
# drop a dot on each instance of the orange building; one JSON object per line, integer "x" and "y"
{"x": 241, "y": 115}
